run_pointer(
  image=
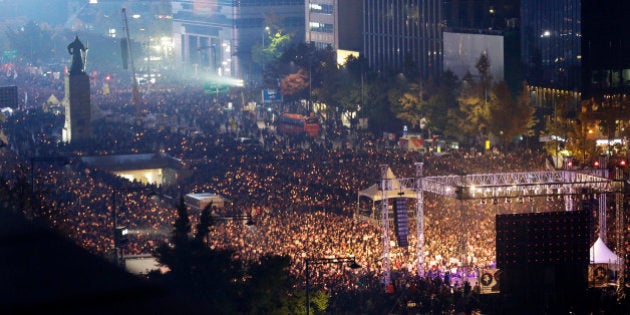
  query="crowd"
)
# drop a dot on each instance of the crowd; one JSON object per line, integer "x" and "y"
{"x": 303, "y": 198}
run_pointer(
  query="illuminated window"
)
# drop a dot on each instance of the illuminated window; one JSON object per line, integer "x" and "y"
{"x": 320, "y": 27}
{"x": 321, "y": 8}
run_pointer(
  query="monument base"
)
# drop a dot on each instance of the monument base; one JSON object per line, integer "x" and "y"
{"x": 78, "y": 110}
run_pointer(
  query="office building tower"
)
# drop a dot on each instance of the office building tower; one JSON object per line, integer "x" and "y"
{"x": 399, "y": 34}
{"x": 334, "y": 23}
{"x": 550, "y": 43}
{"x": 605, "y": 48}
{"x": 480, "y": 14}
{"x": 216, "y": 37}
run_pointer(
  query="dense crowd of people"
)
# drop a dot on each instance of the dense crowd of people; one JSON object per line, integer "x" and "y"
{"x": 302, "y": 194}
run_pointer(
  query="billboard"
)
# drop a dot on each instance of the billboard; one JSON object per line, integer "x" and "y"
{"x": 489, "y": 281}
{"x": 270, "y": 96}
{"x": 462, "y": 51}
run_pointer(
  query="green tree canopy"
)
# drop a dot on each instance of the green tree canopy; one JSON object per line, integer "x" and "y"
{"x": 509, "y": 118}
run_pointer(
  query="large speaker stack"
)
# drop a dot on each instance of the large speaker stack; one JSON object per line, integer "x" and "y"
{"x": 544, "y": 259}
{"x": 401, "y": 221}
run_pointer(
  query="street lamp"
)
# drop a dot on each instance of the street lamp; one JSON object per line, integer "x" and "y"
{"x": 264, "y": 34}
{"x": 352, "y": 263}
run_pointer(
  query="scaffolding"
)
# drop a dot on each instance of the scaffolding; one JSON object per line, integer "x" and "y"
{"x": 567, "y": 184}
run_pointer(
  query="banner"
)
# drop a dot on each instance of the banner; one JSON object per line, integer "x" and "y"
{"x": 489, "y": 281}
{"x": 598, "y": 275}
{"x": 270, "y": 96}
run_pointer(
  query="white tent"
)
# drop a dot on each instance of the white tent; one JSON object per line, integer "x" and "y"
{"x": 601, "y": 254}
{"x": 397, "y": 190}
{"x": 52, "y": 100}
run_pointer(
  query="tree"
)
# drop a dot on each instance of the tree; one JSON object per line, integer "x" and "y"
{"x": 509, "y": 119}
{"x": 270, "y": 288}
{"x": 442, "y": 99}
{"x": 325, "y": 77}
{"x": 472, "y": 114}
{"x": 273, "y": 44}
{"x": 411, "y": 105}
{"x": 558, "y": 124}
{"x": 377, "y": 106}
{"x": 203, "y": 227}
{"x": 203, "y": 278}
{"x": 348, "y": 92}
{"x": 178, "y": 255}
{"x": 294, "y": 84}
{"x": 485, "y": 78}
{"x": 525, "y": 108}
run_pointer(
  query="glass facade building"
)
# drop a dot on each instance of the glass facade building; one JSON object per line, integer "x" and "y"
{"x": 399, "y": 32}
{"x": 334, "y": 23}
{"x": 551, "y": 43}
{"x": 605, "y": 48}
{"x": 480, "y": 14}
{"x": 217, "y": 36}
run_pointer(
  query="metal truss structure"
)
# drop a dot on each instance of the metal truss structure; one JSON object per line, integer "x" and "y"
{"x": 561, "y": 183}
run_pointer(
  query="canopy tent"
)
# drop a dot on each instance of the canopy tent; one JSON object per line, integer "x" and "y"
{"x": 375, "y": 193}
{"x": 52, "y": 100}
{"x": 397, "y": 190}
{"x": 601, "y": 254}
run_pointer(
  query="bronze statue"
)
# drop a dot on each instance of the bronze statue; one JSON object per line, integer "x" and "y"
{"x": 75, "y": 48}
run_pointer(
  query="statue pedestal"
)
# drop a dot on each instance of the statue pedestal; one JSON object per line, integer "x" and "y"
{"x": 77, "y": 127}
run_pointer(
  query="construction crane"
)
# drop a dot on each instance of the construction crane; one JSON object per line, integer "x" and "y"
{"x": 135, "y": 94}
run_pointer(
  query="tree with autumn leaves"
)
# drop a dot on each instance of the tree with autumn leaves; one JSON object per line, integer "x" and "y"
{"x": 472, "y": 110}
{"x": 294, "y": 84}
{"x": 487, "y": 109}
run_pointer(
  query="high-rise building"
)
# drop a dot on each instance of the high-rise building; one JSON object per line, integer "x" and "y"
{"x": 491, "y": 27}
{"x": 550, "y": 43}
{"x": 605, "y": 68}
{"x": 403, "y": 33}
{"x": 217, "y": 36}
{"x": 605, "y": 48}
{"x": 334, "y": 23}
{"x": 480, "y": 14}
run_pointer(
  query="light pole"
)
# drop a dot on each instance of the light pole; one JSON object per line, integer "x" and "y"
{"x": 264, "y": 56}
{"x": 352, "y": 263}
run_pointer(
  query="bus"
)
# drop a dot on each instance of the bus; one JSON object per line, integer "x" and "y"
{"x": 295, "y": 124}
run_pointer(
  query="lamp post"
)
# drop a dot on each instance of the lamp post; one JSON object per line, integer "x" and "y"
{"x": 264, "y": 56}
{"x": 352, "y": 263}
